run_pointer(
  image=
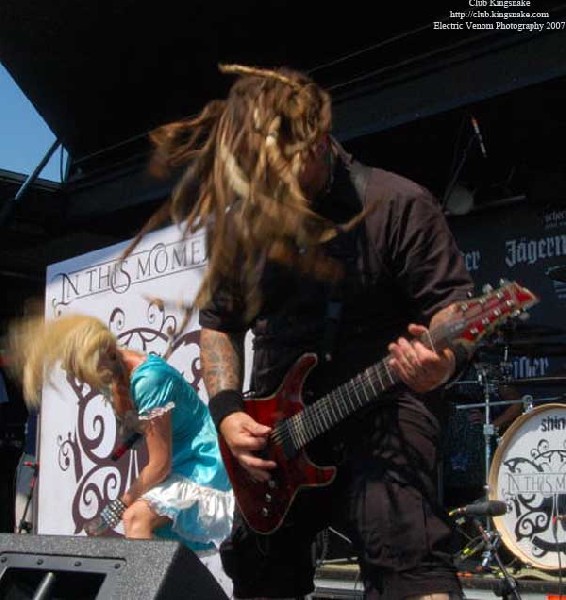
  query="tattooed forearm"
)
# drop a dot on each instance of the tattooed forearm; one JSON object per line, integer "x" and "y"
{"x": 222, "y": 360}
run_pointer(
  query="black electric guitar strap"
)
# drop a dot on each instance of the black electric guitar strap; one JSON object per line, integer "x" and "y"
{"x": 359, "y": 175}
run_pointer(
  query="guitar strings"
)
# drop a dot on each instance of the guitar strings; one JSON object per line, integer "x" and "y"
{"x": 320, "y": 416}
{"x": 317, "y": 418}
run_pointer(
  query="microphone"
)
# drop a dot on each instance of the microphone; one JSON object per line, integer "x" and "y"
{"x": 125, "y": 445}
{"x": 479, "y": 136}
{"x": 491, "y": 508}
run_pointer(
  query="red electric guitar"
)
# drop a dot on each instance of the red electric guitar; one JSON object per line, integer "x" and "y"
{"x": 294, "y": 425}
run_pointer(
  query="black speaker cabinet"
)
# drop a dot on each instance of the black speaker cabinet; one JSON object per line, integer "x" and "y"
{"x": 82, "y": 568}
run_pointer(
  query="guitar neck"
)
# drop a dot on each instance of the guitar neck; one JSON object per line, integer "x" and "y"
{"x": 349, "y": 397}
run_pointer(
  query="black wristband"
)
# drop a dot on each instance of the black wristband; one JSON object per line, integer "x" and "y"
{"x": 462, "y": 360}
{"x": 225, "y": 403}
{"x": 462, "y": 357}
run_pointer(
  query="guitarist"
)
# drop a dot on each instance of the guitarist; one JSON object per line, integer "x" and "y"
{"x": 315, "y": 252}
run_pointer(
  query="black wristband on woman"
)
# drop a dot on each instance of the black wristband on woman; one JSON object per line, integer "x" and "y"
{"x": 225, "y": 403}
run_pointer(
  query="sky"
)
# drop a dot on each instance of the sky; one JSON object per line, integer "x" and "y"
{"x": 25, "y": 138}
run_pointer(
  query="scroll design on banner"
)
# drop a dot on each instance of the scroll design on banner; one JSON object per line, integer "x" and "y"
{"x": 535, "y": 487}
{"x": 86, "y": 449}
{"x": 159, "y": 329}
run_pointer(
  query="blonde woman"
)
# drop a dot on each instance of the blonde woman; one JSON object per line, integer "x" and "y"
{"x": 183, "y": 492}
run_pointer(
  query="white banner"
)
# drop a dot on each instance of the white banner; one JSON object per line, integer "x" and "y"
{"x": 141, "y": 300}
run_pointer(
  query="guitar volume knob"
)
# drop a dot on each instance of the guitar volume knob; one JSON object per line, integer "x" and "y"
{"x": 265, "y": 512}
{"x": 268, "y": 497}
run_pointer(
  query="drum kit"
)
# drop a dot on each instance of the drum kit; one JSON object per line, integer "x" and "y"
{"x": 507, "y": 435}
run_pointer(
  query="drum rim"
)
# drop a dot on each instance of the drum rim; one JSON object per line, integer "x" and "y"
{"x": 492, "y": 482}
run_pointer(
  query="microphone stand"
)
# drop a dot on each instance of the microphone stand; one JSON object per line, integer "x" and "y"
{"x": 506, "y": 588}
{"x": 23, "y": 524}
{"x": 456, "y": 173}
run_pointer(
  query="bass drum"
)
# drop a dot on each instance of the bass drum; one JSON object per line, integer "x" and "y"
{"x": 528, "y": 473}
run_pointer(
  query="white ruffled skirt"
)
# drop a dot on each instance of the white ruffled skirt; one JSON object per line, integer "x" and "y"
{"x": 201, "y": 516}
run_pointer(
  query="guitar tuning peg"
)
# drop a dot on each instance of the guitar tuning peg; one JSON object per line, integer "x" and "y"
{"x": 503, "y": 282}
{"x": 487, "y": 288}
{"x": 470, "y": 294}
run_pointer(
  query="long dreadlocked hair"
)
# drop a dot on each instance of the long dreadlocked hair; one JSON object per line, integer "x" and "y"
{"x": 242, "y": 158}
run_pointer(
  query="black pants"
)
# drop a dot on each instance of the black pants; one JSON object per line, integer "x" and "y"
{"x": 384, "y": 498}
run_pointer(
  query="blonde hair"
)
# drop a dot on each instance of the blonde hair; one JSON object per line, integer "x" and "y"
{"x": 242, "y": 158}
{"x": 76, "y": 341}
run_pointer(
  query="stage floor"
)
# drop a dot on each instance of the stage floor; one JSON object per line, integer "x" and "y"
{"x": 340, "y": 580}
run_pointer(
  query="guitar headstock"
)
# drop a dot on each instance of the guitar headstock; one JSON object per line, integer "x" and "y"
{"x": 481, "y": 316}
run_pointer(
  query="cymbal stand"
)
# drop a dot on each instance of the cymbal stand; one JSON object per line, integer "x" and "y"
{"x": 488, "y": 428}
{"x": 505, "y": 366}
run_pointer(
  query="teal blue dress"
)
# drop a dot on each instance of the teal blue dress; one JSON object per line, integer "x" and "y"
{"x": 196, "y": 495}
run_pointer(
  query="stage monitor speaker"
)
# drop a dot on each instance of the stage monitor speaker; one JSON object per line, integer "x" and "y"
{"x": 83, "y": 568}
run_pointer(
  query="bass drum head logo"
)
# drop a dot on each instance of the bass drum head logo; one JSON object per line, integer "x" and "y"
{"x": 528, "y": 473}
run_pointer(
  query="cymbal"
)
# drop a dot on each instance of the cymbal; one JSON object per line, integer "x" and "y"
{"x": 528, "y": 331}
{"x": 533, "y": 347}
{"x": 550, "y": 380}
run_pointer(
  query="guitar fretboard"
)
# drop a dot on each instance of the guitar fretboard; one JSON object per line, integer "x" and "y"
{"x": 295, "y": 432}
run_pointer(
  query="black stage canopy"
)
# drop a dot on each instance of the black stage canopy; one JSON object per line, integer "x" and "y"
{"x": 101, "y": 73}
{"x": 405, "y": 81}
